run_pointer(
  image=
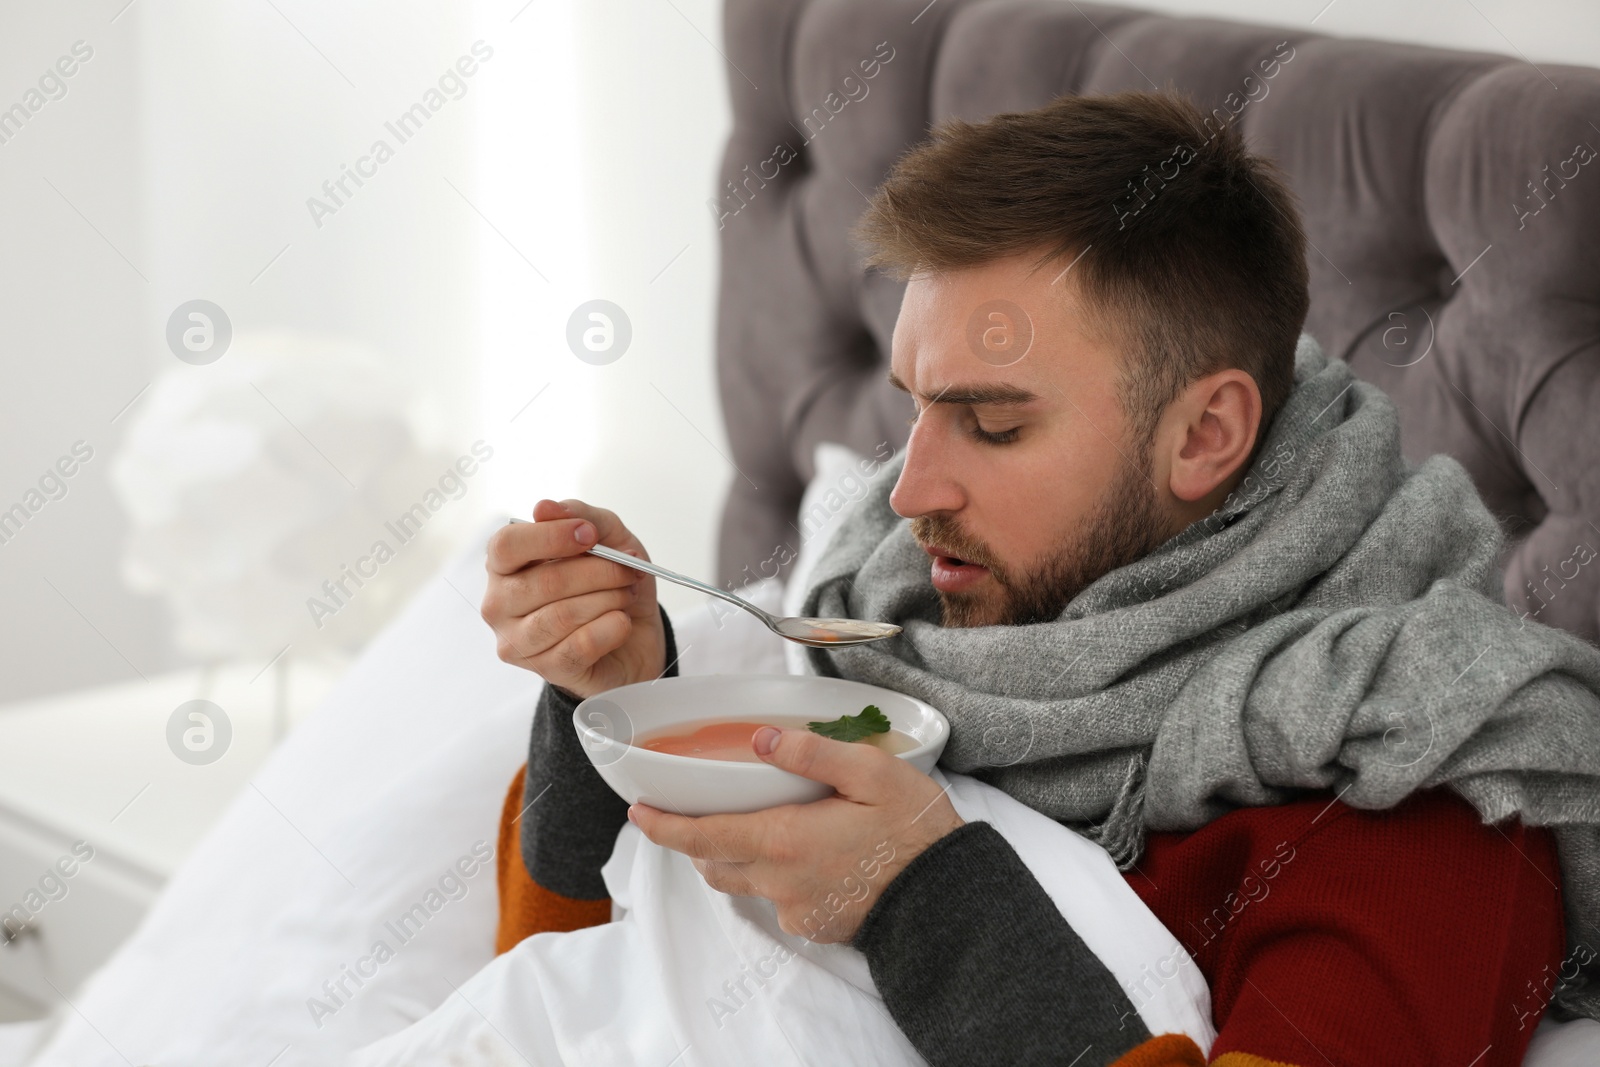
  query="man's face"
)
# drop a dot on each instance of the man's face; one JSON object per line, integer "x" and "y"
{"x": 1021, "y": 477}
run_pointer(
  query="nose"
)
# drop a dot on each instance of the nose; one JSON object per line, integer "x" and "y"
{"x": 928, "y": 481}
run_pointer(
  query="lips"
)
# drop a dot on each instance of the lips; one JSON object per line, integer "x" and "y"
{"x": 952, "y": 574}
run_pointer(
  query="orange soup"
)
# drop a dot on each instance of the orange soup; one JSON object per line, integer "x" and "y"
{"x": 729, "y": 739}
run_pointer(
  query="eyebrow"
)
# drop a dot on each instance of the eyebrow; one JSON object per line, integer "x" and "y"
{"x": 974, "y": 394}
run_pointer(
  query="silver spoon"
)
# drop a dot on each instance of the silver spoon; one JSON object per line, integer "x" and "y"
{"x": 823, "y": 633}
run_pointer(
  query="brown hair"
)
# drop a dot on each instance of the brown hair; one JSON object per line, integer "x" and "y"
{"x": 1191, "y": 247}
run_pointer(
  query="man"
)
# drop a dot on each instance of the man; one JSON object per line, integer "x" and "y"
{"x": 1169, "y": 578}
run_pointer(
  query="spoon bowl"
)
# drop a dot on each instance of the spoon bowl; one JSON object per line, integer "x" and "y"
{"x": 832, "y": 632}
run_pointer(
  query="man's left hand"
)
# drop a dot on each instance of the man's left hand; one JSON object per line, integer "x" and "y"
{"x": 823, "y": 864}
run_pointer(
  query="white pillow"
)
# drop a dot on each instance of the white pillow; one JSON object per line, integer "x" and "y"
{"x": 362, "y": 811}
{"x": 390, "y": 783}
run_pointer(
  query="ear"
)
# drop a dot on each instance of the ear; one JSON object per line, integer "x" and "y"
{"x": 1220, "y": 417}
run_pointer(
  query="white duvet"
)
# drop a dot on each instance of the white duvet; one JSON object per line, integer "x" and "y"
{"x": 691, "y": 977}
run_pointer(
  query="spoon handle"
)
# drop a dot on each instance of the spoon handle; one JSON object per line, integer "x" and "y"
{"x": 673, "y": 576}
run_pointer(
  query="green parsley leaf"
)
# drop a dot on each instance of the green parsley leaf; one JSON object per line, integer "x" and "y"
{"x": 854, "y": 727}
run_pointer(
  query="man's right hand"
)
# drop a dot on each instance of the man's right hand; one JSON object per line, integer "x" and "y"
{"x": 583, "y": 623}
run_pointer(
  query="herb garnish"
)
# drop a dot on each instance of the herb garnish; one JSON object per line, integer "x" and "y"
{"x": 854, "y": 727}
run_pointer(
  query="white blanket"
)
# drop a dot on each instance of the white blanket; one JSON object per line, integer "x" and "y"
{"x": 690, "y": 977}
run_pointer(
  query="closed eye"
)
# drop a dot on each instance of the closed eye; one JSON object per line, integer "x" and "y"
{"x": 1003, "y": 437}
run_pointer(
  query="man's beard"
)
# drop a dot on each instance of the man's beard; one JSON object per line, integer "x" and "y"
{"x": 1126, "y": 525}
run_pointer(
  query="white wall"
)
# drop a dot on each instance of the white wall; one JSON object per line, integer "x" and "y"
{"x": 191, "y": 141}
{"x": 71, "y": 307}
{"x": 640, "y": 121}
{"x": 654, "y": 142}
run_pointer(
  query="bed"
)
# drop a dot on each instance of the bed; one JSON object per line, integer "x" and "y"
{"x": 1438, "y": 271}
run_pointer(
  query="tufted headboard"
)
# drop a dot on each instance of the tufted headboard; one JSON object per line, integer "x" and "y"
{"x": 1452, "y": 202}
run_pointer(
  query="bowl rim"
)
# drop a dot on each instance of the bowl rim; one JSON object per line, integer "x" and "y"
{"x": 941, "y": 723}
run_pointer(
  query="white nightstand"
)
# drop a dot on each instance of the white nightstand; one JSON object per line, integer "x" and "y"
{"x": 95, "y": 766}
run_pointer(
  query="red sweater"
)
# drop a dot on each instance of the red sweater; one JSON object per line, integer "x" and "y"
{"x": 1329, "y": 935}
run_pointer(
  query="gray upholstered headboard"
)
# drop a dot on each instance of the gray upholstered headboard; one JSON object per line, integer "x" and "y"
{"x": 1452, "y": 200}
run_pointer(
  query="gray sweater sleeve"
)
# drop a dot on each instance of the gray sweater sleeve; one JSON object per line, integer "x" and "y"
{"x": 570, "y": 816}
{"x": 977, "y": 966}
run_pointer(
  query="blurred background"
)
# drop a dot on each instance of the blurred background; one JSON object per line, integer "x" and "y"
{"x": 282, "y": 282}
{"x": 211, "y": 152}
{"x": 380, "y": 324}
{"x": 378, "y": 330}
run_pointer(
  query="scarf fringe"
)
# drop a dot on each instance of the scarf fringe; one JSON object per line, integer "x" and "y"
{"x": 1122, "y": 834}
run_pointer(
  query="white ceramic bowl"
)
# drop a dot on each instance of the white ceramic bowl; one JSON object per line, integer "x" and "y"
{"x": 690, "y": 785}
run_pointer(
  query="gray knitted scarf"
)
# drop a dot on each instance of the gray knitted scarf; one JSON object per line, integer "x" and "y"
{"x": 1336, "y": 625}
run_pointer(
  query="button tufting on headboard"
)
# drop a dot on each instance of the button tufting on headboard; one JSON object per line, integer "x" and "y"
{"x": 1452, "y": 201}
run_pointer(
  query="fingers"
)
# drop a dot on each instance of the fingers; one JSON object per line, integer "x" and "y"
{"x": 508, "y": 597}
{"x": 718, "y": 838}
{"x": 730, "y": 878}
{"x": 559, "y": 530}
{"x": 610, "y": 528}
{"x": 538, "y": 563}
{"x": 854, "y": 769}
{"x": 572, "y": 657}
{"x": 548, "y": 626}
{"x": 549, "y": 509}
{"x": 518, "y": 544}
{"x": 563, "y": 613}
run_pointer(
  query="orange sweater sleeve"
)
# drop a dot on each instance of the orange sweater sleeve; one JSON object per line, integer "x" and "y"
{"x": 553, "y": 847}
{"x": 526, "y": 907}
{"x": 1176, "y": 1050}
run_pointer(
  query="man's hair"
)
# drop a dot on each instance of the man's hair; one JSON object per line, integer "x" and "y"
{"x": 1188, "y": 247}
